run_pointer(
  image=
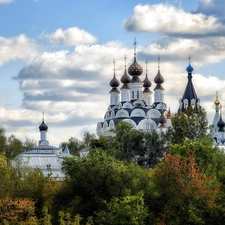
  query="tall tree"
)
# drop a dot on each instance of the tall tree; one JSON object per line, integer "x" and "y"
{"x": 3, "y": 141}
{"x": 185, "y": 195}
{"x": 14, "y": 147}
{"x": 189, "y": 125}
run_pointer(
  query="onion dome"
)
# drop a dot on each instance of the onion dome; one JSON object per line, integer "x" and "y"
{"x": 221, "y": 125}
{"x": 125, "y": 79}
{"x": 146, "y": 82}
{"x": 159, "y": 78}
{"x": 114, "y": 83}
{"x": 217, "y": 102}
{"x": 189, "y": 69}
{"x": 162, "y": 121}
{"x": 43, "y": 126}
{"x": 135, "y": 69}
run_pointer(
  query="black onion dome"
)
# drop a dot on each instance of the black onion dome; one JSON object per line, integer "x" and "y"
{"x": 135, "y": 69}
{"x": 114, "y": 82}
{"x": 147, "y": 82}
{"x": 162, "y": 119}
{"x": 221, "y": 123}
{"x": 43, "y": 126}
{"x": 125, "y": 79}
{"x": 159, "y": 78}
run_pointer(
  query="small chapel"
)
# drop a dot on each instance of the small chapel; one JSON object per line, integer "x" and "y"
{"x": 44, "y": 156}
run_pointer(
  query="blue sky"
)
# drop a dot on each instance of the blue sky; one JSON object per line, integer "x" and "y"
{"x": 56, "y": 57}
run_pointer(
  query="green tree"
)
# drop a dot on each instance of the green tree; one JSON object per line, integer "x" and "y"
{"x": 129, "y": 209}
{"x": 28, "y": 144}
{"x": 189, "y": 125}
{"x": 146, "y": 148}
{"x": 87, "y": 138}
{"x": 14, "y": 147}
{"x": 3, "y": 141}
{"x": 6, "y": 178}
{"x": 74, "y": 145}
{"x": 96, "y": 178}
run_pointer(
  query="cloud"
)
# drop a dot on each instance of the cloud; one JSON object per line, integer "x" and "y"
{"x": 211, "y": 7}
{"x": 70, "y": 37}
{"x": 19, "y": 47}
{"x": 166, "y": 19}
{"x": 209, "y": 50}
{"x": 6, "y": 1}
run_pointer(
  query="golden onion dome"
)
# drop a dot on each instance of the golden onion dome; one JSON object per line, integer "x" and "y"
{"x": 217, "y": 102}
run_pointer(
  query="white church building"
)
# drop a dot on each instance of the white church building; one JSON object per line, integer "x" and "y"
{"x": 44, "y": 156}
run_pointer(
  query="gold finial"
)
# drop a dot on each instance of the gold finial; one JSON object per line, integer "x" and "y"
{"x": 114, "y": 65}
{"x": 125, "y": 61}
{"x": 217, "y": 102}
{"x": 43, "y": 115}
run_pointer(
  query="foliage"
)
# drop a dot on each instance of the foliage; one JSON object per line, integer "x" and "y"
{"x": 16, "y": 210}
{"x": 184, "y": 194}
{"x": 28, "y": 144}
{"x": 3, "y": 141}
{"x": 75, "y": 145}
{"x": 98, "y": 177}
{"x": 123, "y": 210}
{"x": 14, "y": 147}
{"x": 189, "y": 125}
{"x": 147, "y": 148}
{"x": 6, "y": 178}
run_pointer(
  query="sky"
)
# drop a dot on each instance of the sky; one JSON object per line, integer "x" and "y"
{"x": 56, "y": 57}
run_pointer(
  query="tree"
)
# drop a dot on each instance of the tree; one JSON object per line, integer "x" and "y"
{"x": 87, "y": 138}
{"x": 146, "y": 148}
{"x": 74, "y": 145}
{"x": 16, "y": 211}
{"x": 14, "y": 147}
{"x": 184, "y": 194}
{"x": 96, "y": 178}
{"x": 6, "y": 178}
{"x": 154, "y": 149}
{"x": 28, "y": 144}
{"x": 3, "y": 141}
{"x": 189, "y": 125}
{"x": 123, "y": 210}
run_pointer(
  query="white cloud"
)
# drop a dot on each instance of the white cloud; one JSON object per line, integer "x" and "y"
{"x": 70, "y": 37}
{"x": 20, "y": 47}
{"x": 165, "y": 18}
{"x": 209, "y": 50}
{"x": 6, "y": 1}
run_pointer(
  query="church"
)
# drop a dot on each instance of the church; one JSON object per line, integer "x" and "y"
{"x": 44, "y": 156}
{"x": 133, "y": 103}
